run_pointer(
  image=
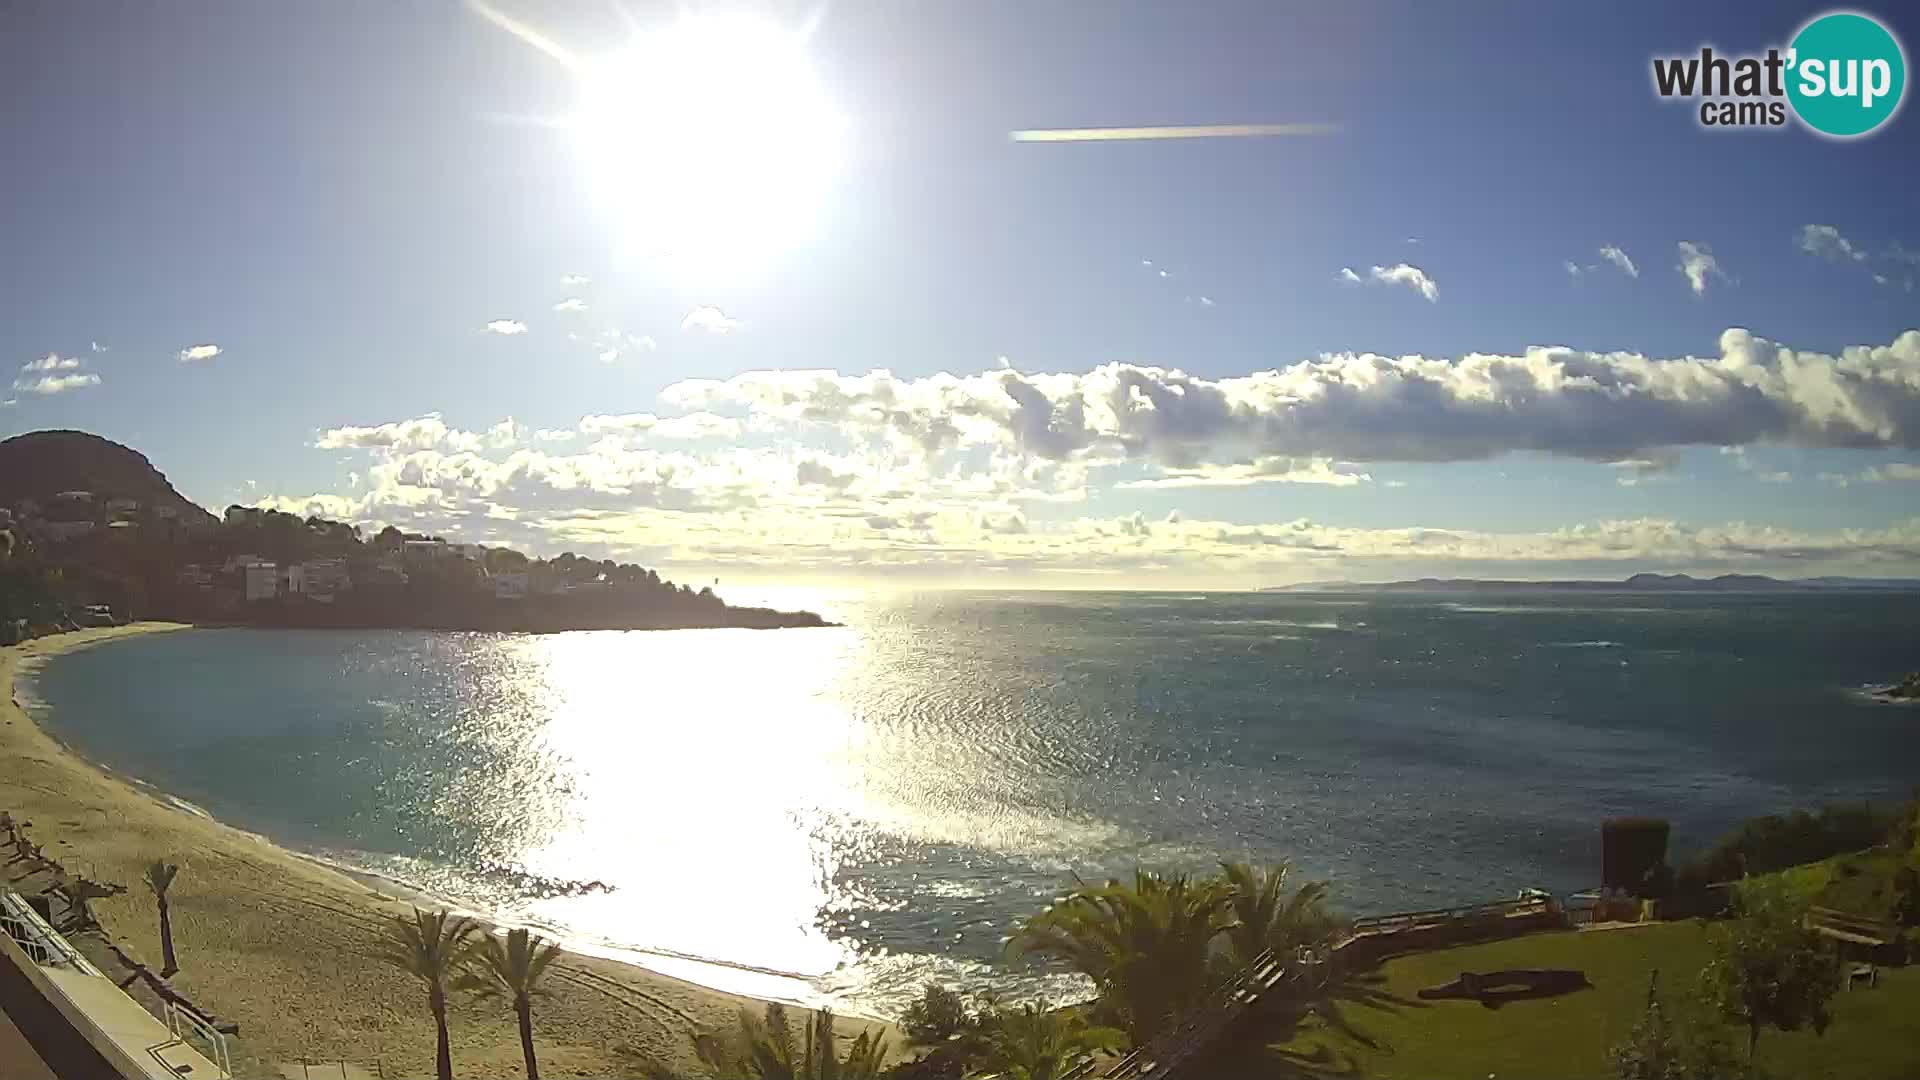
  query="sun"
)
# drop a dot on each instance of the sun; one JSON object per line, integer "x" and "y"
{"x": 710, "y": 142}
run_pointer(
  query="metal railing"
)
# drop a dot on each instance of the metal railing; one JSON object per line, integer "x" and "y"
{"x": 37, "y": 939}
{"x": 185, "y": 1024}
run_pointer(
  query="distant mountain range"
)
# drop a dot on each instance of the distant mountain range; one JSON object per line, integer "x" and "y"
{"x": 1636, "y": 583}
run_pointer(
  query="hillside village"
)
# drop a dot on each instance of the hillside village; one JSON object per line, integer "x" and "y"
{"x": 79, "y": 556}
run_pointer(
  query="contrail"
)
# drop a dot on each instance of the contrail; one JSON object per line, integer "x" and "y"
{"x": 524, "y": 32}
{"x": 1182, "y": 131}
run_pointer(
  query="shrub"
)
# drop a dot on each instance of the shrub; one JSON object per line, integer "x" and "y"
{"x": 938, "y": 1016}
{"x": 1775, "y": 842}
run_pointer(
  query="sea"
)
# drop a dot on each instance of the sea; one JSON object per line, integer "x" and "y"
{"x": 837, "y": 816}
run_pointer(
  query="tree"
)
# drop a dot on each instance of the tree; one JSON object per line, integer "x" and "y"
{"x": 1660, "y": 1048}
{"x": 764, "y": 1049}
{"x": 513, "y": 966}
{"x": 430, "y": 947}
{"x": 1029, "y": 1043}
{"x": 160, "y": 875}
{"x": 390, "y": 537}
{"x": 1147, "y": 946}
{"x": 1264, "y": 921}
{"x": 1768, "y": 969}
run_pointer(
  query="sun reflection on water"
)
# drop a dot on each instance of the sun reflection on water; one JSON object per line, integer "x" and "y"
{"x": 710, "y": 791}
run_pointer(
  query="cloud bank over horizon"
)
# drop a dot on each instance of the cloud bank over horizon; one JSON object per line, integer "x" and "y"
{"x": 991, "y": 473}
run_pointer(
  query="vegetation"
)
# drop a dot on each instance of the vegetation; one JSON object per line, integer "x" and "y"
{"x": 1030, "y": 1043}
{"x": 511, "y": 966}
{"x": 1266, "y": 918}
{"x": 1148, "y": 946}
{"x": 1768, "y": 969}
{"x": 763, "y": 1048}
{"x": 1661, "y": 1048}
{"x": 159, "y": 878}
{"x": 1766, "y": 844}
{"x": 431, "y": 947}
{"x": 937, "y": 1017}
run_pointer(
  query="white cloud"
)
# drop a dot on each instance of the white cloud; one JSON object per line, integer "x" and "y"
{"x": 614, "y": 345}
{"x": 97, "y": 347}
{"x": 506, "y": 327}
{"x": 1698, "y": 264}
{"x": 1365, "y": 407}
{"x": 1272, "y": 470}
{"x": 710, "y": 319}
{"x": 1206, "y": 301}
{"x": 1399, "y": 274}
{"x": 1825, "y": 241}
{"x": 194, "y": 353}
{"x": 1572, "y": 268}
{"x": 699, "y": 425}
{"x": 51, "y": 362}
{"x": 575, "y": 279}
{"x": 571, "y": 304}
{"x": 555, "y": 435}
{"x": 56, "y": 384}
{"x": 419, "y": 433}
{"x": 1619, "y": 258}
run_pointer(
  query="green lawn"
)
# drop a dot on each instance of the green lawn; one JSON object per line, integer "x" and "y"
{"x": 1875, "y": 1035}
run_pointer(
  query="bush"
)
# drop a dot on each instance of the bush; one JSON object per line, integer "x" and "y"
{"x": 1775, "y": 842}
{"x": 937, "y": 1017}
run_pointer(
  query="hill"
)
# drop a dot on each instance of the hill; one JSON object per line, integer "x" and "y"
{"x": 41, "y": 464}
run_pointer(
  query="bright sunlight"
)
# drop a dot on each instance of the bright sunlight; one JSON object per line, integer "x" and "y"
{"x": 710, "y": 140}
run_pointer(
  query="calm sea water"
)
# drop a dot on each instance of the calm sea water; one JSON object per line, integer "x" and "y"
{"x": 844, "y": 813}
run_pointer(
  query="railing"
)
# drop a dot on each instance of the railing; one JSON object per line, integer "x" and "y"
{"x": 1403, "y": 920}
{"x": 185, "y": 1022}
{"x": 36, "y": 938}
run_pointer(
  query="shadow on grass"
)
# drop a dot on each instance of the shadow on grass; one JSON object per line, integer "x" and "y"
{"x": 1495, "y": 989}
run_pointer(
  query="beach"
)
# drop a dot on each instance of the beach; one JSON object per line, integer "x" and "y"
{"x": 281, "y": 944}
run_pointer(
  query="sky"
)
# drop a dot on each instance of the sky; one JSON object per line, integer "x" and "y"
{"x": 769, "y": 292}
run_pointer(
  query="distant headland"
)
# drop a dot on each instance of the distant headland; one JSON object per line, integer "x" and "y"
{"x": 92, "y": 533}
{"x": 1636, "y": 583}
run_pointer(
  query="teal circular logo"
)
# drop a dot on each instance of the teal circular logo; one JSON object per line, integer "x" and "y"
{"x": 1846, "y": 74}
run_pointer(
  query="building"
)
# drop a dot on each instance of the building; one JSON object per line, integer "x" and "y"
{"x": 6, "y": 518}
{"x": 291, "y": 580}
{"x": 193, "y": 576}
{"x": 262, "y": 580}
{"x": 509, "y": 586}
{"x": 244, "y": 515}
{"x": 425, "y": 550}
{"x": 122, "y": 505}
{"x": 325, "y": 577}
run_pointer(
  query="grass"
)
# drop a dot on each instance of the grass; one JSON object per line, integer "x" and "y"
{"x": 1568, "y": 1037}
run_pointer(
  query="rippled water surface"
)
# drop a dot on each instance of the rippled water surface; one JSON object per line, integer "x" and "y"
{"x": 847, "y": 812}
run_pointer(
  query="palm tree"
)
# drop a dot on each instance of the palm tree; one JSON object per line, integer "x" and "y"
{"x": 1031, "y": 1044}
{"x": 1148, "y": 946}
{"x": 429, "y": 947}
{"x": 512, "y": 965}
{"x": 764, "y": 1049}
{"x": 160, "y": 875}
{"x": 1265, "y": 921}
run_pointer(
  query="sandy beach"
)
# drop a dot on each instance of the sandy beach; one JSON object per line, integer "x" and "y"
{"x": 280, "y": 944}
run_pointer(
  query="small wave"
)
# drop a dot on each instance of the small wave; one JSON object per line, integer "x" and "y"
{"x": 1586, "y": 645}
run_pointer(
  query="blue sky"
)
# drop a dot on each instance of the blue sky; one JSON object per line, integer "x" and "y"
{"x": 343, "y": 197}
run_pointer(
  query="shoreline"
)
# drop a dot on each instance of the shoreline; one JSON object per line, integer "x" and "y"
{"x": 277, "y": 939}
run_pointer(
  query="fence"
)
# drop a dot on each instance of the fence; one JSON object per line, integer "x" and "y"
{"x": 186, "y": 1023}
{"x": 36, "y": 938}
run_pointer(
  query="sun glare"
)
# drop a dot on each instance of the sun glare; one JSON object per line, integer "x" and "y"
{"x": 711, "y": 141}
